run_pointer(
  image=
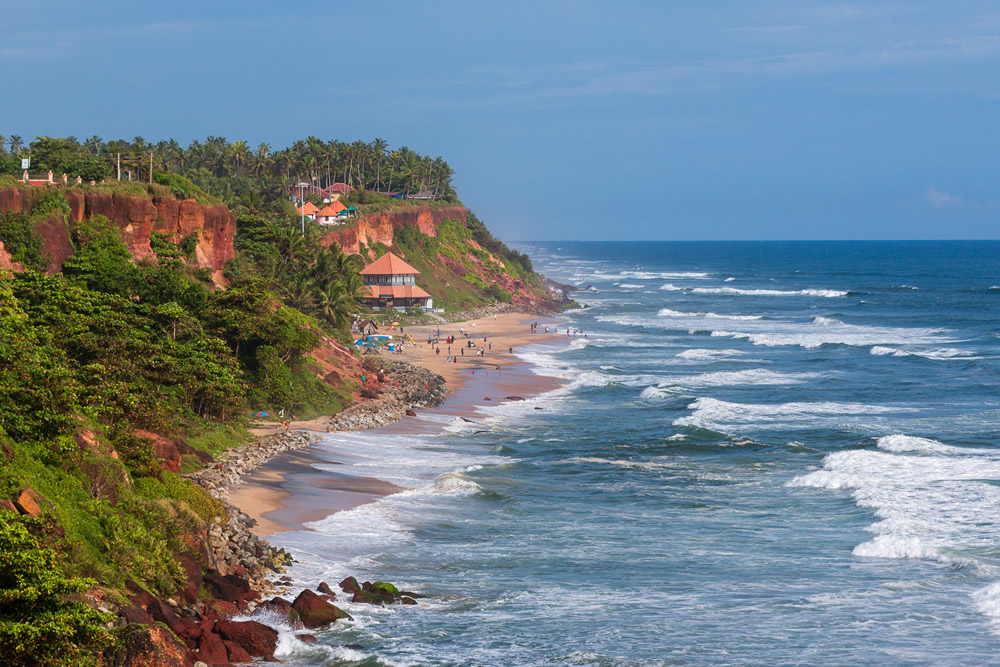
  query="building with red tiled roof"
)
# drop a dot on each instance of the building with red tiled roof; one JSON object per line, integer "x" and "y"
{"x": 309, "y": 210}
{"x": 336, "y": 191}
{"x": 392, "y": 283}
{"x": 328, "y": 214}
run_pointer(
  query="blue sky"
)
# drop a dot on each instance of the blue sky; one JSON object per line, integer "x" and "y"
{"x": 771, "y": 119}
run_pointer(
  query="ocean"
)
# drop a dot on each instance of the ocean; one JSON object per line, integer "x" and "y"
{"x": 764, "y": 453}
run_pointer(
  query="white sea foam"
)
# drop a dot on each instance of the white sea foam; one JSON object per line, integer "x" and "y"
{"x": 630, "y": 286}
{"x": 936, "y": 354}
{"x": 750, "y": 376}
{"x": 650, "y": 275}
{"x": 701, "y": 354}
{"x": 987, "y": 602}
{"x": 622, "y": 463}
{"x": 723, "y": 416}
{"x": 729, "y": 279}
{"x": 931, "y": 501}
{"x": 906, "y": 443}
{"x": 828, "y": 293}
{"x": 667, "y": 312}
{"x": 827, "y": 331}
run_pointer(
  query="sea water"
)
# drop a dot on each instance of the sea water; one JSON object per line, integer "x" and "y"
{"x": 764, "y": 453}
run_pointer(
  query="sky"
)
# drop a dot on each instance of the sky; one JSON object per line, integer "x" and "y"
{"x": 641, "y": 120}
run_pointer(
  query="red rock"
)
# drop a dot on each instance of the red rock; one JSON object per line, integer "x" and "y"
{"x": 236, "y": 652}
{"x": 324, "y": 588}
{"x": 148, "y": 646}
{"x": 164, "y": 449}
{"x": 161, "y": 611}
{"x": 55, "y": 241}
{"x": 278, "y": 605}
{"x": 193, "y": 571}
{"x": 315, "y": 612}
{"x": 350, "y": 585}
{"x": 27, "y": 503}
{"x": 211, "y": 650}
{"x": 7, "y": 505}
{"x": 382, "y": 226}
{"x": 136, "y": 615}
{"x": 231, "y": 587}
{"x": 258, "y": 639}
{"x": 139, "y": 596}
{"x": 411, "y": 413}
{"x": 222, "y": 608}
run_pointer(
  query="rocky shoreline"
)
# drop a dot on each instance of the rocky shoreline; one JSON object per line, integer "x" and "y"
{"x": 236, "y": 568}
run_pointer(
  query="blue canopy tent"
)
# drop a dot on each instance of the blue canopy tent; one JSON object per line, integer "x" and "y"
{"x": 261, "y": 413}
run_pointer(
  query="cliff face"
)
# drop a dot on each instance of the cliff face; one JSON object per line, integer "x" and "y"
{"x": 382, "y": 227}
{"x": 136, "y": 218}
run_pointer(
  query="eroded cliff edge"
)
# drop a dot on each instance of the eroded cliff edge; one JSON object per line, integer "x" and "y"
{"x": 136, "y": 218}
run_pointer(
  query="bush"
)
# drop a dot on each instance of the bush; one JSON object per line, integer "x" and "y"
{"x": 21, "y": 240}
{"x": 38, "y": 626}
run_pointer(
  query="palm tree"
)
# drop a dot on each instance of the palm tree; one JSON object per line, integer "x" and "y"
{"x": 16, "y": 143}
{"x": 94, "y": 144}
{"x": 239, "y": 153}
{"x": 335, "y": 304}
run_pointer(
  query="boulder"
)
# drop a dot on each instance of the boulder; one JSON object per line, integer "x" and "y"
{"x": 255, "y": 638}
{"x": 385, "y": 588}
{"x": 315, "y": 612}
{"x": 231, "y": 587}
{"x": 147, "y": 646}
{"x": 160, "y": 611}
{"x": 237, "y": 653}
{"x": 307, "y": 638}
{"x": 222, "y": 608}
{"x": 211, "y": 649}
{"x": 164, "y": 448}
{"x": 350, "y": 585}
{"x": 28, "y": 503}
{"x": 406, "y": 600}
{"x": 277, "y": 604}
{"x": 7, "y": 505}
{"x": 136, "y": 615}
{"x": 192, "y": 568}
{"x": 324, "y": 588}
{"x": 411, "y": 413}
{"x": 368, "y": 597}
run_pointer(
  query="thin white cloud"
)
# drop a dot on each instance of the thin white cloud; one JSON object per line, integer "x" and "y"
{"x": 939, "y": 199}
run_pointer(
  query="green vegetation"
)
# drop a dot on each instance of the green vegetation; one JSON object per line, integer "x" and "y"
{"x": 99, "y": 357}
{"x": 252, "y": 181}
{"x": 38, "y": 624}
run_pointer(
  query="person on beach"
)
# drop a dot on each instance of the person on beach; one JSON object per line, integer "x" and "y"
{"x": 285, "y": 424}
{"x": 437, "y": 350}
{"x": 510, "y": 350}
{"x": 462, "y": 350}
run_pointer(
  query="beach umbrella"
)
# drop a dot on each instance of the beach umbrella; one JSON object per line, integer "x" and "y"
{"x": 261, "y": 413}
{"x": 394, "y": 324}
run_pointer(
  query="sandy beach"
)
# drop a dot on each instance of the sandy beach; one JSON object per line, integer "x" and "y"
{"x": 289, "y": 490}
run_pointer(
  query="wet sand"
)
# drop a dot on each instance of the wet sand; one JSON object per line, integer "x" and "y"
{"x": 290, "y": 491}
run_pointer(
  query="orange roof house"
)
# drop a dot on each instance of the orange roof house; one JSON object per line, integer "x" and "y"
{"x": 391, "y": 283}
{"x": 309, "y": 210}
{"x": 328, "y": 214}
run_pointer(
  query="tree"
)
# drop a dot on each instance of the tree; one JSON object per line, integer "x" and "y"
{"x": 38, "y": 626}
{"x": 16, "y": 143}
{"x": 103, "y": 262}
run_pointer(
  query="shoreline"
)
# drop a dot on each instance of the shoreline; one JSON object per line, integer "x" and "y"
{"x": 287, "y": 491}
